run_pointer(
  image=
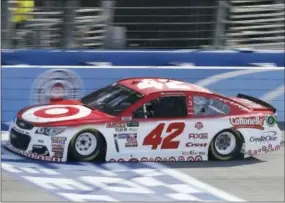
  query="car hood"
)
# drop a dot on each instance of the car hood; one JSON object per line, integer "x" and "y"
{"x": 63, "y": 113}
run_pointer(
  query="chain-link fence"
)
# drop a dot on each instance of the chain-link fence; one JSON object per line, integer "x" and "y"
{"x": 129, "y": 24}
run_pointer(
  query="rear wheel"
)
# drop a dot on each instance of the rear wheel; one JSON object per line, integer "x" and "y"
{"x": 226, "y": 145}
{"x": 86, "y": 145}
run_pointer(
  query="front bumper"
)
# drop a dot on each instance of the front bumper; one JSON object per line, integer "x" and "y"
{"x": 24, "y": 141}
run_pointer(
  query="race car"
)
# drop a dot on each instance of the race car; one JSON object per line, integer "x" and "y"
{"x": 146, "y": 119}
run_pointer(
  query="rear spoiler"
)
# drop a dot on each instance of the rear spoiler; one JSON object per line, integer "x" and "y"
{"x": 258, "y": 101}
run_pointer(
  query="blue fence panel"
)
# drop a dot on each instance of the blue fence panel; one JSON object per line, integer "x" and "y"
{"x": 23, "y": 86}
{"x": 142, "y": 58}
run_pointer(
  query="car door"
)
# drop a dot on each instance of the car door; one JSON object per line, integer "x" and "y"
{"x": 162, "y": 125}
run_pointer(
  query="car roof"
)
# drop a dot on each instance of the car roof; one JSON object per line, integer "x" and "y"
{"x": 151, "y": 85}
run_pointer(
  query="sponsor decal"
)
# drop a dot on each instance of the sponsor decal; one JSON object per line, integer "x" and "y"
{"x": 119, "y": 127}
{"x": 192, "y": 152}
{"x": 194, "y": 144}
{"x": 31, "y": 155}
{"x": 190, "y": 105}
{"x": 248, "y": 122}
{"x": 58, "y": 140}
{"x": 198, "y": 136}
{"x": 40, "y": 141}
{"x": 122, "y": 136}
{"x": 132, "y": 140}
{"x": 40, "y": 150}
{"x": 56, "y": 84}
{"x": 20, "y": 131}
{"x": 133, "y": 124}
{"x": 267, "y": 136}
{"x": 199, "y": 125}
{"x": 133, "y": 129}
{"x": 58, "y": 150}
{"x": 271, "y": 121}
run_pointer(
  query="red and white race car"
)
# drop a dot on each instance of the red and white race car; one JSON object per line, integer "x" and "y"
{"x": 146, "y": 119}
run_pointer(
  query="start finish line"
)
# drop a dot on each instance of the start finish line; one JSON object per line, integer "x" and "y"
{"x": 110, "y": 181}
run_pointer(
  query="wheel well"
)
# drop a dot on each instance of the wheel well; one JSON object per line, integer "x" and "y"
{"x": 229, "y": 129}
{"x": 102, "y": 155}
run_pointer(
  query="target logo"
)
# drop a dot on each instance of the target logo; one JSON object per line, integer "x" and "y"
{"x": 158, "y": 159}
{"x": 121, "y": 160}
{"x": 190, "y": 158}
{"x": 52, "y": 113}
{"x": 198, "y": 158}
{"x": 172, "y": 159}
{"x": 181, "y": 158}
{"x": 144, "y": 159}
{"x": 56, "y": 84}
{"x": 277, "y": 147}
{"x": 133, "y": 160}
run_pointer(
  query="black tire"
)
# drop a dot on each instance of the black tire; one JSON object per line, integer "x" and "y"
{"x": 93, "y": 154}
{"x": 232, "y": 154}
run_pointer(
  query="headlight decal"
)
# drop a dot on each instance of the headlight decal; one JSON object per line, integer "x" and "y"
{"x": 49, "y": 131}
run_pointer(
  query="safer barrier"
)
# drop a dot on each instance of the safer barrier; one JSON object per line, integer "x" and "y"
{"x": 143, "y": 58}
{"x": 26, "y": 85}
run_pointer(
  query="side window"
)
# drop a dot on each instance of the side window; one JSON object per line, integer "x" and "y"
{"x": 163, "y": 107}
{"x": 208, "y": 106}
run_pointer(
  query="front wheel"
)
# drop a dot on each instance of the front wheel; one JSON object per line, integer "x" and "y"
{"x": 226, "y": 145}
{"x": 86, "y": 146}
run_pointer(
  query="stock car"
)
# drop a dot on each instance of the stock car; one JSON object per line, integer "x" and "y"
{"x": 146, "y": 119}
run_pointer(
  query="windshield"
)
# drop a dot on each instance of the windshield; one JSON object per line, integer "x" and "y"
{"x": 112, "y": 99}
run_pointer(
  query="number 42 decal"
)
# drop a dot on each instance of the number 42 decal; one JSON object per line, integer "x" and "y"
{"x": 154, "y": 137}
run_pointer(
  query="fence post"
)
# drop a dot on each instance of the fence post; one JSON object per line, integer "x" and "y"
{"x": 219, "y": 32}
{"x": 69, "y": 14}
{"x": 5, "y": 15}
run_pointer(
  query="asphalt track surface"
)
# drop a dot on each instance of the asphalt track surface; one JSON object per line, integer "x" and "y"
{"x": 253, "y": 179}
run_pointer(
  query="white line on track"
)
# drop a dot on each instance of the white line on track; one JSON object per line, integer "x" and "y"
{"x": 192, "y": 181}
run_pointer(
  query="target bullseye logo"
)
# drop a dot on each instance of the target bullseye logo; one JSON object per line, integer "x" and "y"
{"x": 53, "y": 113}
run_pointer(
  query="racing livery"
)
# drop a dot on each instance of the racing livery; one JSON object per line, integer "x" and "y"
{"x": 146, "y": 119}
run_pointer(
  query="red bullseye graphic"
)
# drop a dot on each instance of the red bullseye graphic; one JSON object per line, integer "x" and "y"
{"x": 190, "y": 158}
{"x": 54, "y": 113}
{"x": 198, "y": 158}
{"x": 58, "y": 112}
{"x": 158, "y": 159}
{"x": 172, "y": 159}
{"x": 181, "y": 158}
{"x": 277, "y": 147}
{"x": 144, "y": 159}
